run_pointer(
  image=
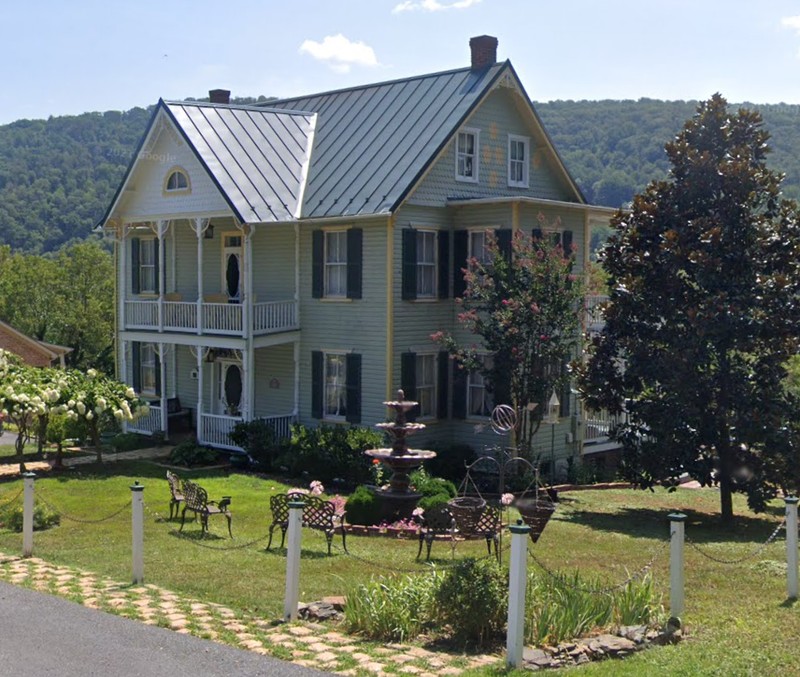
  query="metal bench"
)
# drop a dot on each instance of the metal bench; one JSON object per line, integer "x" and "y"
{"x": 176, "y": 493}
{"x": 317, "y": 514}
{"x": 436, "y": 521}
{"x": 195, "y": 498}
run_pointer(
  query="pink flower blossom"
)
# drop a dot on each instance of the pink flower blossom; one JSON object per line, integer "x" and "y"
{"x": 418, "y": 512}
{"x": 507, "y": 499}
{"x": 316, "y": 488}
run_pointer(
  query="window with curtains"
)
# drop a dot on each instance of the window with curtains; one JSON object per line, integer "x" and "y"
{"x": 425, "y": 368}
{"x": 336, "y": 386}
{"x": 336, "y": 263}
{"x": 148, "y": 366}
{"x": 467, "y": 155}
{"x": 479, "y": 399}
{"x": 426, "y": 264}
{"x": 518, "y": 161}
{"x": 147, "y": 266}
{"x": 424, "y": 379}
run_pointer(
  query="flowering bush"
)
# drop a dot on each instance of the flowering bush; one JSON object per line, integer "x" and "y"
{"x": 506, "y": 500}
{"x": 316, "y": 488}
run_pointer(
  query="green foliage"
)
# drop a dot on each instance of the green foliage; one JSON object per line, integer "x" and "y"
{"x": 257, "y": 438}
{"x": 473, "y": 600}
{"x": 562, "y": 607}
{"x": 391, "y": 609}
{"x": 190, "y": 454}
{"x": 792, "y": 381}
{"x": 427, "y": 485}
{"x": 705, "y": 309}
{"x": 451, "y": 462}
{"x": 130, "y": 441}
{"x": 329, "y": 453}
{"x": 363, "y": 507}
{"x": 43, "y": 518}
{"x": 433, "y": 501}
{"x": 523, "y": 306}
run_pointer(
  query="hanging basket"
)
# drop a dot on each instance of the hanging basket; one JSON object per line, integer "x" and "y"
{"x": 466, "y": 511}
{"x": 536, "y": 512}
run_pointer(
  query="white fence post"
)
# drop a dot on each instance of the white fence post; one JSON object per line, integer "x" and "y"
{"x": 292, "y": 596}
{"x": 676, "y": 533}
{"x": 27, "y": 514}
{"x": 137, "y": 527}
{"x": 517, "y": 584}
{"x": 791, "y": 546}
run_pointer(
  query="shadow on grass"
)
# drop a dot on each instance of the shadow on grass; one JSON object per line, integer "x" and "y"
{"x": 700, "y": 527}
{"x": 304, "y": 553}
{"x": 140, "y": 469}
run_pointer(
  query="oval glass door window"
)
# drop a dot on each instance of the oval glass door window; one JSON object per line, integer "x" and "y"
{"x": 232, "y": 276}
{"x": 233, "y": 388}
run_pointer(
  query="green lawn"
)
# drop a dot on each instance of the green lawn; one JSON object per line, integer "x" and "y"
{"x": 737, "y": 618}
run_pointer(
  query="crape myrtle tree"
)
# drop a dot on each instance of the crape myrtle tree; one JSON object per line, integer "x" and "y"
{"x": 523, "y": 304}
{"x": 704, "y": 313}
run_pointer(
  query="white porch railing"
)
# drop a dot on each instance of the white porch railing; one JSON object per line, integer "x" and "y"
{"x": 180, "y": 316}
{"x": 147, "y": 425}
{"x": 598, "y": 426}
{"x": 595, "y": 318}
{"x": 215, "y": 430}
{"x": 274, "y": 316}
{"x": 141, "y": 314}
{"x": 222, "y": 318}
{"x": 282, "y": 425}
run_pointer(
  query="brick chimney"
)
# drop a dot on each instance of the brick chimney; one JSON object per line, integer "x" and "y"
{"x": 484, "y": 51}
{"x": 219, "y": 95}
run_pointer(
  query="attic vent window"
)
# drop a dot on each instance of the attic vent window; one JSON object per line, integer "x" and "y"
{"x": 177, "y": 180}
{"x": 467, "y": 155}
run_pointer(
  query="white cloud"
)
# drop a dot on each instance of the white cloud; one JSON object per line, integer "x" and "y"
{"x": 340, "y": 53}
{"x": 791, "y": 22}
{"x": 432, "y": 5}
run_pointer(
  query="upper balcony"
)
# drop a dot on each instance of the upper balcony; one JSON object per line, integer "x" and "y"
{"x": 595, "y": 312}
{"x": 222, "y": 318}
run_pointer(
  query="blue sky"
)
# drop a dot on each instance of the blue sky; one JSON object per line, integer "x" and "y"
{"x": 69, "y": 57}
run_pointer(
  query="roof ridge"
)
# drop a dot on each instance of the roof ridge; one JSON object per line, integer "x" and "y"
{"x": 383, "y": 83}
{"x": 244, "y": 106}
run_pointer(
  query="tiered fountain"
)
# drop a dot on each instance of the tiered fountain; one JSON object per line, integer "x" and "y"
{"x": 398, "y": 500}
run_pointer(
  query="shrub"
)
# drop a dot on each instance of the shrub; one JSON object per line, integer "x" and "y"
{"x": 432, "y": 486}
{"x": 43, "y": 518}
{"x": 363, "y": 507}
{"x": 473, "y": 600}
{"x": 451, "y": 462}
{"x": 391, "y": 609}
{"x": 329, "y": 453}
{"x": 130, "y": 441}
{"x": 428, "y": 502}
{"x": 258, "y": 440}
{"x": 188, "y": 453}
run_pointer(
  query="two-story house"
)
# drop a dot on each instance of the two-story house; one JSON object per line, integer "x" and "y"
{"x": 290, "y": 261}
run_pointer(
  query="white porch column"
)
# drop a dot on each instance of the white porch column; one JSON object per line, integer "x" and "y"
{"x": 200, "y": 356}
{"x": 122, "y": 284}
{"x": 123, "y": 362}
{"x": 200, "y": 227}
{"x": 162, "y": 272}
{"x": 248, "y": 358}
{"x": 296, "y": 346}
{"x": 162, "y": 366}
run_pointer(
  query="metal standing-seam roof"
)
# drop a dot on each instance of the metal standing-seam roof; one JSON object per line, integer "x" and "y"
{"x": 258, "y": 157}
{"x": 372, "y": 143}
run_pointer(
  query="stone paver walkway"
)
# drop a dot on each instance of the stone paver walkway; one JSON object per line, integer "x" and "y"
{"x": 310, "y": 644}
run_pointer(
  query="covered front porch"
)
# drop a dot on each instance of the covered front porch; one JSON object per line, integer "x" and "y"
{"x": 212, "y": 387}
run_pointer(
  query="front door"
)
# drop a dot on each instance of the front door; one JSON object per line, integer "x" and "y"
{"x": 229, "y": 388}
{"x": 232, "y": 267}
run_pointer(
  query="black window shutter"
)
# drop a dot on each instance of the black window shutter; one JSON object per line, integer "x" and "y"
{"x": 502, "y": 385}
{"x": 459, "y": 392}
{"x": 136, "y": 360}
{"x": 408, "y": 380}
{"x": 317, "y": 265}
{"x": 136, "y": 244}
{"x": 503, "y": 236}
{"x": 158, "y": 370}
{"x": 353, "y": 375}
{"x": 460, "y": 240}
{"x": 442, "y": 368}
{"x": 355, "y": 238}
{"x": 566, "y": 243}
{"x": 409, "y": 290}
{"x": 443, "y": 243}
{"x": 157, "y": 265}
{"x": 317, "y": 376}
{"x": 536, "y": 233}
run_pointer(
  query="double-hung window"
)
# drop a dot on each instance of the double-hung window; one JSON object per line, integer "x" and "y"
{"x": 335, "y": 397}
{"x": 479, "y": 399}
{"x": 425, "y": 365}
{"x": 518, "y": 160}
{"x": 426, "y": 264}
{"x": 147, "y": 266}
{"x": 479, "y": 245}
{"x": 336, "y": 263}
{"x": 467, "y": 148}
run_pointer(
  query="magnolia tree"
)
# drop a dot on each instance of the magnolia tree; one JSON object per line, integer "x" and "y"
{"x": 30, "y": 395}
{"x": 524, "y": 305}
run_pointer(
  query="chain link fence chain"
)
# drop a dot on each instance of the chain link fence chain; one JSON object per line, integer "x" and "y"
{"x": 562, "y": 578}
{"x": 185, "y": 537}
{"x": 750, "y": 555}
{"x": 81, "y": 520}
{"x": 9, "y": 501}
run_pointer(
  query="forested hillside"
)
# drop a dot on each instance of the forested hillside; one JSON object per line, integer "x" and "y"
{"x": 58, "y": 175}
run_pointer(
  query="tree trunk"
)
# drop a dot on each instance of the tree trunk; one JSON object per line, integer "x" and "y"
{"x": 19, "y": 447}
{"x": 95, "y": 433}
{"x": 40, "y": 436}
{"x": 58, "y": 464}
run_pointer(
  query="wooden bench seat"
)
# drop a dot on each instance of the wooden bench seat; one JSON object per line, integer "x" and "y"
{"x": 317, "y": 514}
